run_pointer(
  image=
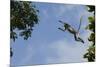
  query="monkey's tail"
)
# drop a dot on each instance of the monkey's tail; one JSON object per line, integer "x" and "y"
{"x": 80, "y": 23}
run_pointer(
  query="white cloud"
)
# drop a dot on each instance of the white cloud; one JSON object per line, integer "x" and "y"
{"x": 68, "y": 52}
{"x": 45, "y": 13}
{"x": 29, "y": 54}
{"x": 62, "y": 9}
{"x": 61, "y": 51}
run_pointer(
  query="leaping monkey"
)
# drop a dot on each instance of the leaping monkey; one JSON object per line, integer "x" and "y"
{"x": 72, "y": 30}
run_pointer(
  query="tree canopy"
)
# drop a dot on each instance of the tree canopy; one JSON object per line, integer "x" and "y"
{"x": 23, "y": 17}
{"x": 90, "y": 55}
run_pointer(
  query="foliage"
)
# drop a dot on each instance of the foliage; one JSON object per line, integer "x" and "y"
{"x": 11, "y": 52}
{"x": 23, "y": 18}
{"x": 90, "y": 55}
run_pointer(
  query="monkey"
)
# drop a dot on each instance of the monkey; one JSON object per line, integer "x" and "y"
{"x": 71, "y": 30}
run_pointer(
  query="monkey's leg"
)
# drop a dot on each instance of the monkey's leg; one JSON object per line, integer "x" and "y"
{"x": 81, "y": 40}
{"x": 75, "y": 37}
{"x": 78, "y": 38}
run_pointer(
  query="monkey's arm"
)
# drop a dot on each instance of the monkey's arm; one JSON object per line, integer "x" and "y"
{"x": 61, "y": 29}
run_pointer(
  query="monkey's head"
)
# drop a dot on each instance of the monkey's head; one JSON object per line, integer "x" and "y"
{"x": 66, "y": 25}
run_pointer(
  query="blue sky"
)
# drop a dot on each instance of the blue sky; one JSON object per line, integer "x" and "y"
{"x": 50, "y": 45}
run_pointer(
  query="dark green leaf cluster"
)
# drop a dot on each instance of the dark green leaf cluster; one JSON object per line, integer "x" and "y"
{"x": 91, "y": 8}
{"x": 90, "y": 55}
{"x": 23, "y": 17}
